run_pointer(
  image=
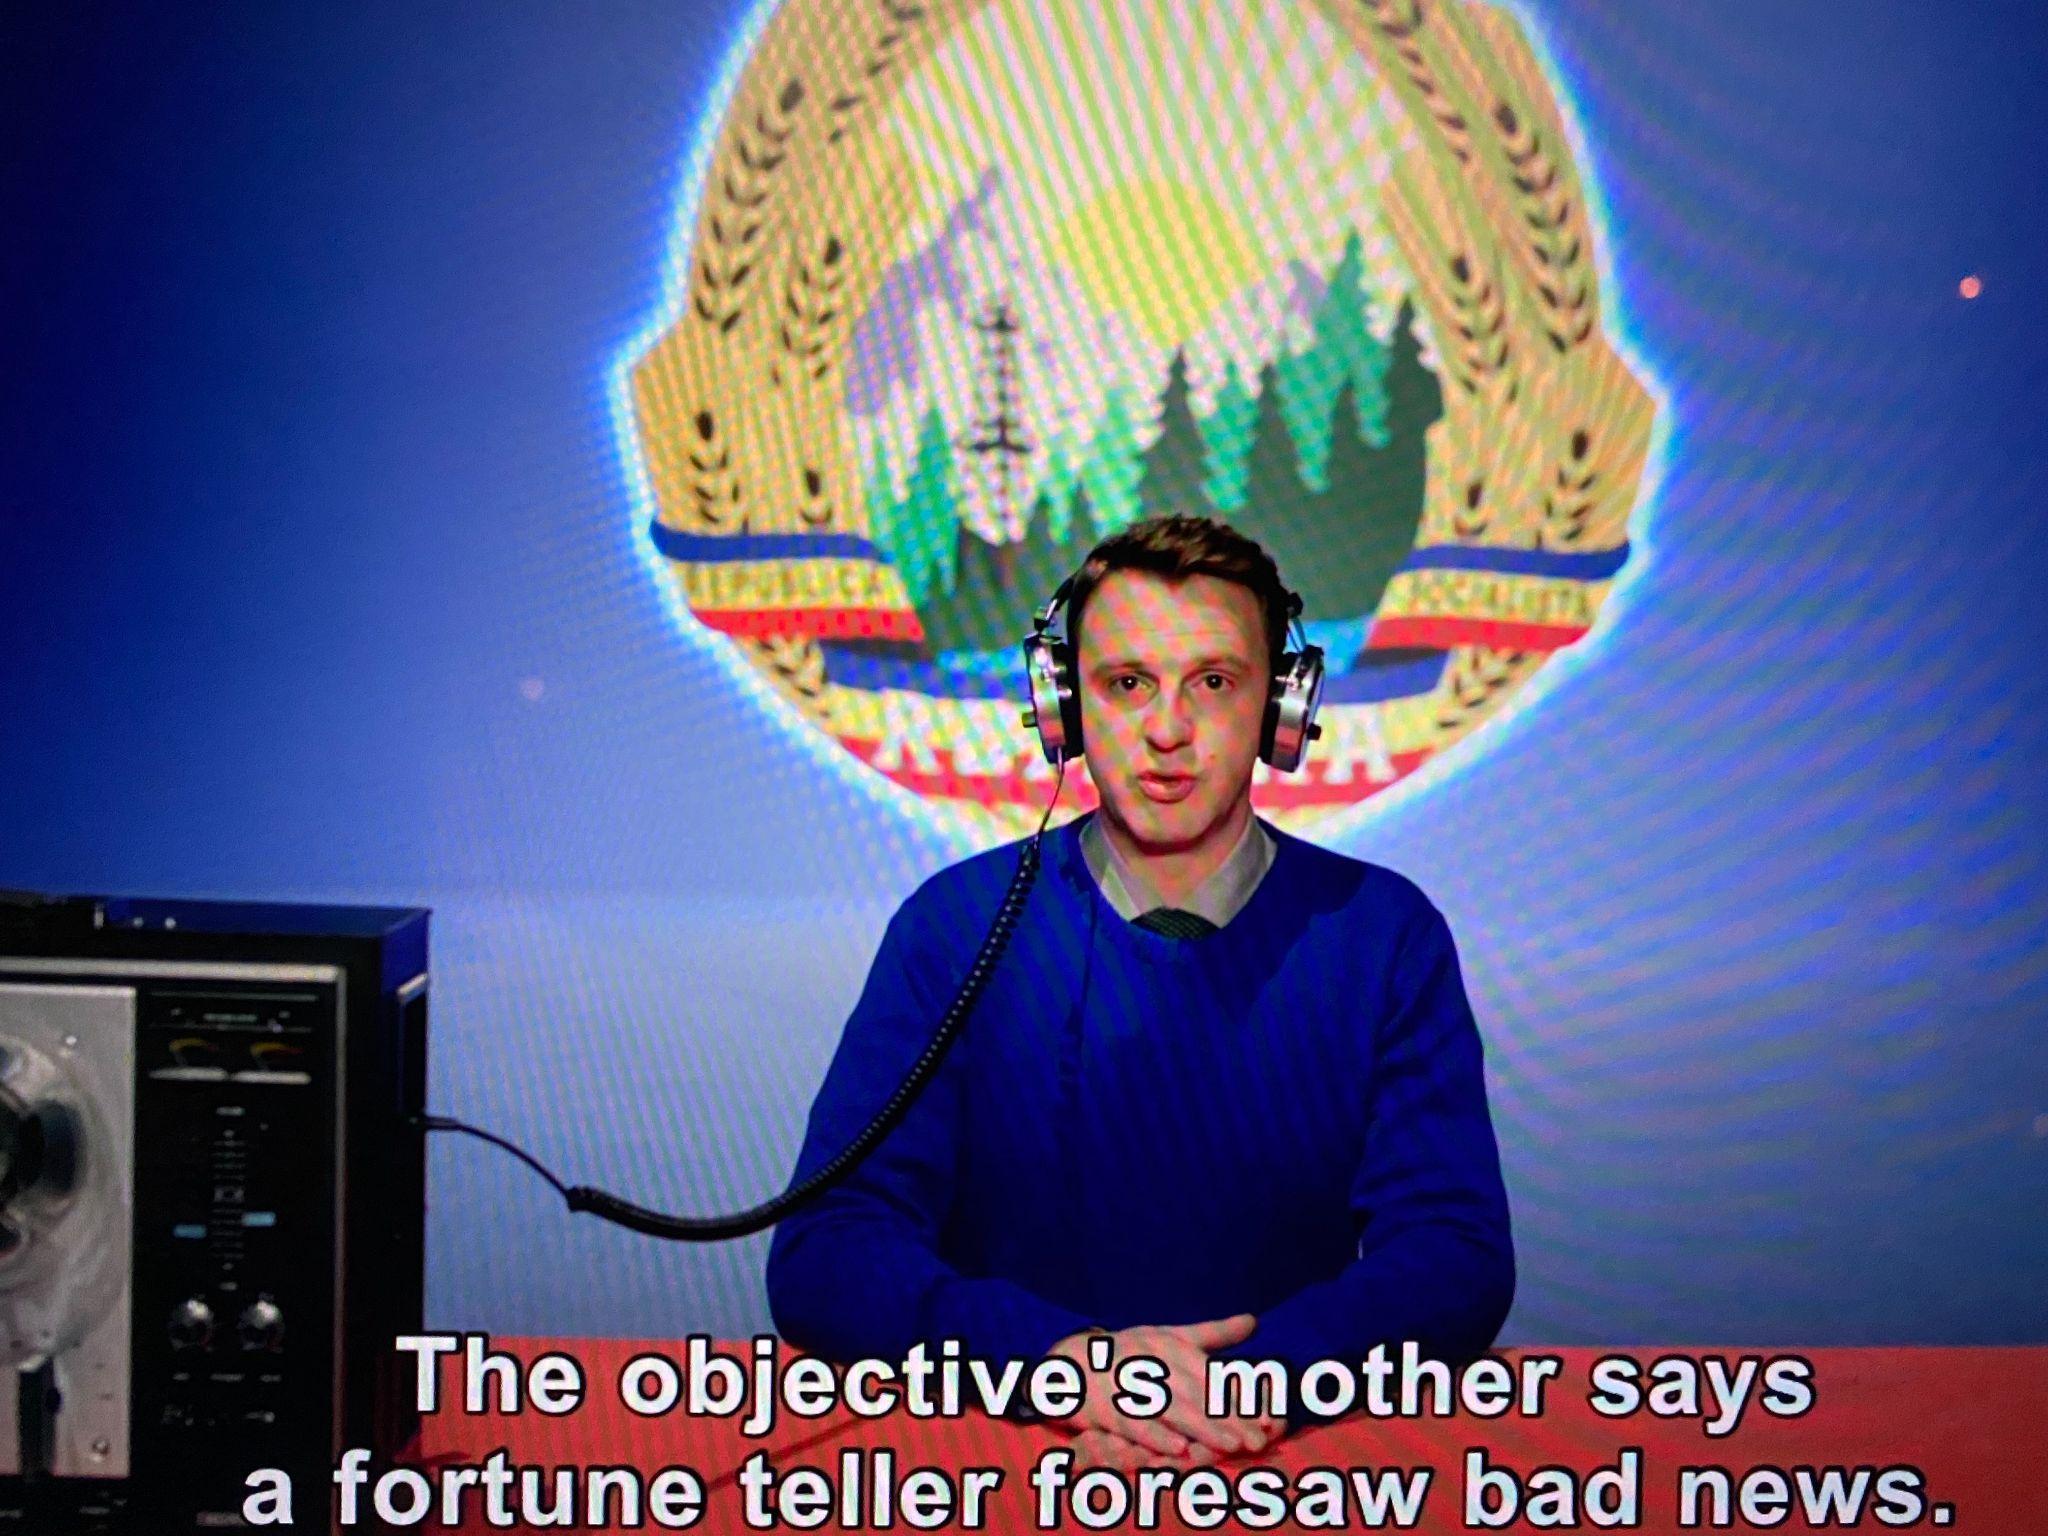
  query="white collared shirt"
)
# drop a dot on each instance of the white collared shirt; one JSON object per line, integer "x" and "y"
{"x": 1219, "y": 898}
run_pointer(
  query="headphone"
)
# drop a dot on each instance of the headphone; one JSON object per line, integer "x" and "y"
{"x": 1293, "y": 694}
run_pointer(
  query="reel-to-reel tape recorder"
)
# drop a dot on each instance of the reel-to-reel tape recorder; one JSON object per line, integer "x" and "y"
{"x": 212, "y": 1208}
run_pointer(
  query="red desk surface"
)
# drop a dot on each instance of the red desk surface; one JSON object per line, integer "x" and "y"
{"x": 1974, "y": 1421}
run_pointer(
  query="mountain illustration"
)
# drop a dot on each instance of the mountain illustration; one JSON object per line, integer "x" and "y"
{"x": 997, "y": 453}
{"x": 915, "y": 349}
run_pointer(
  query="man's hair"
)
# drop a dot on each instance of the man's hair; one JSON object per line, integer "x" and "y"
{"x": 1178, "y": 547}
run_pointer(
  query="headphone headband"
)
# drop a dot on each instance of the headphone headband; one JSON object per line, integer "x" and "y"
{"x": 1053, "y": 605}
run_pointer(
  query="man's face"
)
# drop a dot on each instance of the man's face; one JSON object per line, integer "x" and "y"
{"x": 1173, "y": 679}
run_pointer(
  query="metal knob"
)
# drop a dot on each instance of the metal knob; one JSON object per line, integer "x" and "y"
{"x": 191, "y": 1324}
{"x": 261, "y": 1325}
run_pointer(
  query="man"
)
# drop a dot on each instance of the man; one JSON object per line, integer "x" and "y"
{"x": 1223, "y": 1094}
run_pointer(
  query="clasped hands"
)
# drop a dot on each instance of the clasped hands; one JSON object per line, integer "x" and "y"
{"x": 1184, "y": 1434}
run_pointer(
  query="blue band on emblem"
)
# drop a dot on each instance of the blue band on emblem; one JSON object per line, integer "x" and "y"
{"x": 998, "y": 675}
{"x": 762, "y": 546}
{"x": 1369, "y": 684}
{"x": 1593, "y": 565}
{"x": 960, "y": 675}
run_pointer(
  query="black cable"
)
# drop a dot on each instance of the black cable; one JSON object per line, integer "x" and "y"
{"x": 711, "y": 1229}
{"x": 445, "y": 1123}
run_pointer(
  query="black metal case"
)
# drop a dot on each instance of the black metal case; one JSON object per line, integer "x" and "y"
{"x": 213, "y": 1222}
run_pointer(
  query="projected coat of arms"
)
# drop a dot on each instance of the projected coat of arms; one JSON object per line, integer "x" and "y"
{"x": 971, "y": 284}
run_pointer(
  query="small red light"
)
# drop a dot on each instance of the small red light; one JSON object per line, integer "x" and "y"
{"x": 1970, "y": 286}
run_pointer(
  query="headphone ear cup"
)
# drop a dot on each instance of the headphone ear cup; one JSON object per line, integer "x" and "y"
{"x": 1293, "y": 698}
{"x": 1070, "y": 699}
{"x": 1055, "y": 712}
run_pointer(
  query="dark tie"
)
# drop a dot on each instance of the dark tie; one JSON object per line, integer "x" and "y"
{"x": 1174, "y": 923}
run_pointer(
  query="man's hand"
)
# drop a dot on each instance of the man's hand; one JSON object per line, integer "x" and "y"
{"x": 1184, "y": 1432}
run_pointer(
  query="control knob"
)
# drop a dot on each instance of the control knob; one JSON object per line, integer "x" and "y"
{"x": 191, "y": 1324}
{"x": 261, "y": 1325}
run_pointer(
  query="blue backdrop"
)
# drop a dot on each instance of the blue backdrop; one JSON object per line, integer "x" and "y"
{"x": 317, "y": 580}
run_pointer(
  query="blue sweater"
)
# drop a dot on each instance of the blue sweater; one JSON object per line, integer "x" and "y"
{"x": 1285, "y": 1117}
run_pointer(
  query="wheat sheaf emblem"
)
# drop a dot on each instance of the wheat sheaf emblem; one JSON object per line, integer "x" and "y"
{"x": 910, "y": 370}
